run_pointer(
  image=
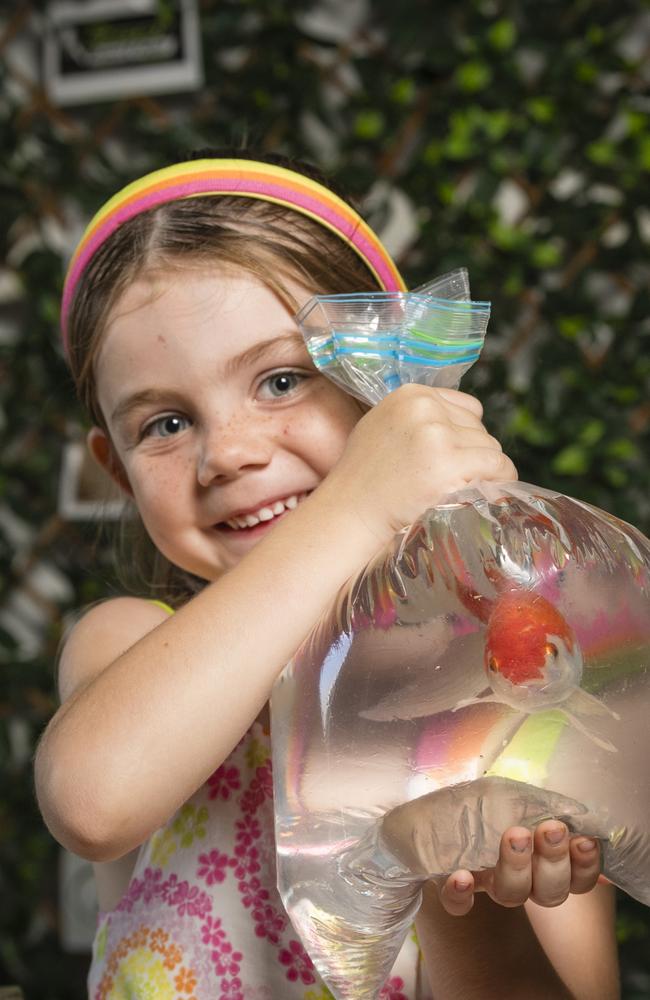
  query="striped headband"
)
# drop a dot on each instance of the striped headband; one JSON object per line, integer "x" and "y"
{"x": 244, "y": 178}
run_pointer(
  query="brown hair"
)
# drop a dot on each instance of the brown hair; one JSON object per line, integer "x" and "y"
{"x": 270, "y": 241}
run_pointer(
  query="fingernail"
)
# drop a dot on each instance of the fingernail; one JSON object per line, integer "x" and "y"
{"x": 461, "y": 885}
{"x": 586, "y": 844}
{"x": 520, "y": 844}
{"x": 555, "y": 836}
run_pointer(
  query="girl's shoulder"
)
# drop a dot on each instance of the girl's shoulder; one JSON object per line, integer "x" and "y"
{"x": 100, "y": 634}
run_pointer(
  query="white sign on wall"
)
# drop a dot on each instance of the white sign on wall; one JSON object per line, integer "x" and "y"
{"x": 86, "y": 492}
{"x": 100, "y": 50}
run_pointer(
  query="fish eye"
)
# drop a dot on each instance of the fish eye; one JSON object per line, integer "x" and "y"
{"x": 493, "y": 665}
{"x": 551, "y": 650}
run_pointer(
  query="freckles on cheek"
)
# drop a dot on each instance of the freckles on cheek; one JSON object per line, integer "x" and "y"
{"x": 156, "y": 485}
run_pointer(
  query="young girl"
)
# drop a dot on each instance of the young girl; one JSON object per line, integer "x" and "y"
{"x": 263, "y": 488}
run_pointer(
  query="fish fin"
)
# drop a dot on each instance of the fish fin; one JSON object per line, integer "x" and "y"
{"x": 599, "y": 741}
{"x": 480, "y": 700}
{"x": 586, "y": 704}
{"x": 409, "y": 703}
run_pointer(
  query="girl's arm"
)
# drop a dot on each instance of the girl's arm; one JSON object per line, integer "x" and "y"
{"x": 494, "y": 952}
{"x": 154, "y": 704}
{"x": 489, "y": 954}
{"x": 523, "y": 936}
{"x": 153, "y": 707}
{"x": 579, "y": 938}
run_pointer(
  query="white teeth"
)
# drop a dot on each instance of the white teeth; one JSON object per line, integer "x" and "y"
{"x": 266, "y": 513}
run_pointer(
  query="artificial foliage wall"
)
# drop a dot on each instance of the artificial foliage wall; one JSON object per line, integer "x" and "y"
{"x": 510, "y": 137}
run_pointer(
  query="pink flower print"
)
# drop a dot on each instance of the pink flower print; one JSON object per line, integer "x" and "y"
{"x": 265, "y": 778}
{"x": 224, "y": 781}
{"x": 248, "y": 830}
{"x": 230, "y": 989}
{"x": 146, "y": 888}
{"x": 226, "y": 961}
{"x": 212, "y": 866}
{"x": 269, "y": 923}
{"x": 253, "y": 893}
{"x": 189, "y": 900}
{"x": 169, "y": 888}
{"x": 127, "y": 901}
{"x": 298, "y": 962}
{"x": 261, "y": 788}
{"x": 151, "y": 884}
{"x": 211, "y": 931}
{"x": 247, "y": 861}
{"x": 392, "y": 989}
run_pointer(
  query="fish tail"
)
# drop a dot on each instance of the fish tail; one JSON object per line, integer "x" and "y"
{"x": 598, "y": 740}
{"x": 586, "y": 704}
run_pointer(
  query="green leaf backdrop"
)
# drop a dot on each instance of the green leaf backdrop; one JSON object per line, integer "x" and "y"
{"x": 510, "y": 137}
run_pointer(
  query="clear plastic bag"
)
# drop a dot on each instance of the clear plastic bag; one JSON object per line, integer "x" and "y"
{"x": 371, "y": 344}
{"x": 491, "y": 668}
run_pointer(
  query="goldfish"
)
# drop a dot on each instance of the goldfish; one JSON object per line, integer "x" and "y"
{"x": 531, "y": 651}
{"x": 533, "y": 660}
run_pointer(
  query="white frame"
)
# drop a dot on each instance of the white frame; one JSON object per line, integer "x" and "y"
{"x": 101, "y": 85}
{"x": 71, "y": 506}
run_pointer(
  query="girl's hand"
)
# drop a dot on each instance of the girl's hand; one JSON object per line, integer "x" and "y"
{"x": 417, "y": 445}
{"x": 545, "y": 866}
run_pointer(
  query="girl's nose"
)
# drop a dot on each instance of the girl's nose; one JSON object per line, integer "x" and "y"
{"x": 229, "y": 449}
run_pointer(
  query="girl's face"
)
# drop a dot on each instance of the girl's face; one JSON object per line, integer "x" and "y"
{"x": 219, "y": 423}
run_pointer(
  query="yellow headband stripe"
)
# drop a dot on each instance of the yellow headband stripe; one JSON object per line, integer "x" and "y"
{"x": 242, "y": 178}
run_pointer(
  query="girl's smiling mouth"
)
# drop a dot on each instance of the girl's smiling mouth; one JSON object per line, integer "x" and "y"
{"x": 266, "y": 512}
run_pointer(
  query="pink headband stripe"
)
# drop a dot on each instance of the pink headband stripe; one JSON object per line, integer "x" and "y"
{"x": 246, "y": 179}
{"x": 273, "y": 192}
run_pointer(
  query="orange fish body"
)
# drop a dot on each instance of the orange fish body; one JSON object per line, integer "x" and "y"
{"x": 532, "y": 657}
{"x": 533, "y": 661}
{"x": 520, "y": 632}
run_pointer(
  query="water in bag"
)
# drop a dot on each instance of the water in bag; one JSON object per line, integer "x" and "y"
{"x": 491, "y": 668}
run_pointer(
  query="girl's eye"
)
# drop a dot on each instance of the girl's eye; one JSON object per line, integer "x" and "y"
{"x": 281, "y": 383}
{"x": 166, "y": 426}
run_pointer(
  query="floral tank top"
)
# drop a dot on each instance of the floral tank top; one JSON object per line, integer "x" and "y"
{"x": 202, "y": 919}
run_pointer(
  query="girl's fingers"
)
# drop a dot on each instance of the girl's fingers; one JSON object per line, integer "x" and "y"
{"x": 544, "y": 867}
{"x": 472, "y": 437}
{"x": 462, "y": 400}
{"x": 585, "y": 864}
{"x": 470, "y": 464}
{"x": 462, "y": 416}
{"x": 456, "y": 408}
{"x": 488, "y": 460}
{"x": 551, "y": 864}
{"x": 457, "y": 893}
{"x": 511, "y": 880}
